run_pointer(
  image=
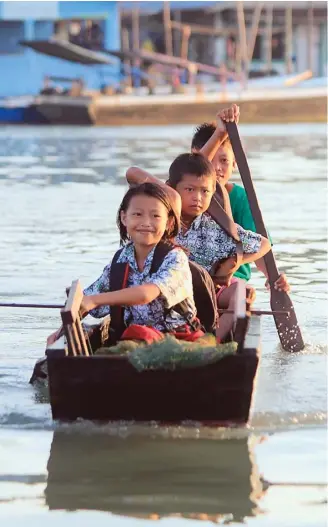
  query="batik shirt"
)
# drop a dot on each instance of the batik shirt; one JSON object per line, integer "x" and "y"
{"x": 173, "y": 279}
{"x": 208, "y": 242}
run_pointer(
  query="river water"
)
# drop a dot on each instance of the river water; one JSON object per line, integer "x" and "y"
{"x": 59, "y": 192}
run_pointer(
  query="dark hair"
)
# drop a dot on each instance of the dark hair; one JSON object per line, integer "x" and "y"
{"x": 154, "y": 191}
{"x": 194, "y": 164}
{"x": 202, "y": 134}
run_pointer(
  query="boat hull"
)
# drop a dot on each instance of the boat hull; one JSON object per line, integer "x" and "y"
{"x": 63, "y": 109}
{"x": 104, "y": 388}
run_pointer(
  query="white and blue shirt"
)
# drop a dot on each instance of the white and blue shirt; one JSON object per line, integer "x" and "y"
{"x": 173, "y": 279}
{"x": 207, "y": 242}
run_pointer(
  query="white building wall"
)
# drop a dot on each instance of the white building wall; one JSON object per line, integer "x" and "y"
{"x": 219, "y": 43}
{"x": 10, "y": 10}
{"x": 301, "y": 49}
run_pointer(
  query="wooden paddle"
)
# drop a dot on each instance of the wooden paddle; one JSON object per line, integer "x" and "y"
{"x": 37, "y": 306}
{"x": 59, "y": 306}
{"x": 287, "y": 327}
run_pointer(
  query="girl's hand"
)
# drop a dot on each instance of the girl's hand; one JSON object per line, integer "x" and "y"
{"x": 87, "y": 305}
{"x": 251, "y": 294}
{"x": 54, "y": 336}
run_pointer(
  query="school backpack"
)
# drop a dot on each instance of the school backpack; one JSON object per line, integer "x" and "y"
{"x": 203, "y": 288}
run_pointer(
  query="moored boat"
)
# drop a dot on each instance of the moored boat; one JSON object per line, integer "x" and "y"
{"x": 59, "y": 109}
{"x": 85, "y": 384}
{"x": 19, "y": 110}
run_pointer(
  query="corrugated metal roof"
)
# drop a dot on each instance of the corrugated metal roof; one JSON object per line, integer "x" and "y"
{"x": 155, "y": 7}
{"x": 67, "y": 51}
{"x": 250, "y": 4}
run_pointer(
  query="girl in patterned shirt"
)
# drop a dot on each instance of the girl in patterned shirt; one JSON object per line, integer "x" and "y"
{"x": 145, "y": 218}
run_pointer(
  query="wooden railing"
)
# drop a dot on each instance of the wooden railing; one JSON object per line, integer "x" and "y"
{"x": 72, "y": 326}
{"x": 241, "y": 315}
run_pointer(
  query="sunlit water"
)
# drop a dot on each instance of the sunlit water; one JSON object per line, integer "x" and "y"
{"x": 59, "y": 192}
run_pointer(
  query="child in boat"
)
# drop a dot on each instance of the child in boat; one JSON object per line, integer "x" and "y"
{"x": 211, "y": 139}
{"x": 145, "y": 218}
{"x": 193, "y": 177}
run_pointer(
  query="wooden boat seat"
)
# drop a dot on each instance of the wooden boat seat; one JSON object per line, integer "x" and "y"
{"x": 76, "y": 340}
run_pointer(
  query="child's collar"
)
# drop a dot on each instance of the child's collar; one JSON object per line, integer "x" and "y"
{"x": 195, "y": 224}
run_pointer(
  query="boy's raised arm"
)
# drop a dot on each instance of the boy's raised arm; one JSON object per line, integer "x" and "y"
{"x": 220, "y": 135}
{"x": 137, "y": 176}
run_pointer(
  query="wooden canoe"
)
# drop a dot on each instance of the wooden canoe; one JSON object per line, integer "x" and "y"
{"x": 109, "y": 388}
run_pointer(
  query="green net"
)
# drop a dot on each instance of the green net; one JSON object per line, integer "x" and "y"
{"x": 171, "y": 354}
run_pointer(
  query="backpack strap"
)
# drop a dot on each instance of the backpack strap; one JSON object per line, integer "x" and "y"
{"x": 217, "y": 211}
{"x": 119, "y": 274}
{"x": 162, "y": 249}
{"x": 205, "y": 301}
{"x": 183, "y": 309}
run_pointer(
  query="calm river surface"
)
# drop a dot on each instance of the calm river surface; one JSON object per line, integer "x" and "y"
{"x": 59, "y": 192}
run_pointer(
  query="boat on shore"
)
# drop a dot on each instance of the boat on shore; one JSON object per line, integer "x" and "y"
{"x": 86, "y": 385}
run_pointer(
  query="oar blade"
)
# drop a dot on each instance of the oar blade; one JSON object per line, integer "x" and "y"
{"x": 287, "y": 326}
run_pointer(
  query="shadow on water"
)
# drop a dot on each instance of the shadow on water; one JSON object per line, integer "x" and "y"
{"x": 139, "y": 476}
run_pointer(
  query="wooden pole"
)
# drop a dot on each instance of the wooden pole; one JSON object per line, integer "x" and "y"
{"x": 167, "y": 28}
{"x": 136, "y": 43}
{"x": 310, "y": 37}
{"x": 176, "y": 37}
{"x": 185, "y": 42}
{"x": 127, "y": 63}
{"x": 257, "y": 312}
{"x": 288, "y": 39}
{"x": 60, "y": 306}
{"x": 37, "y": 306}
{"x": 242, "y": 41}
{"x": 254, "y": 29}
{"x": 135, "y": 29}
{"x": 224, "y": 31}
{"x": 268, "y": 40}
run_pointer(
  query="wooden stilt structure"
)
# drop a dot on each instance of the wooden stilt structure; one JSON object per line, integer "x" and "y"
{"x": 167, "y": 28}
{"x": 135, "y": 32}
{"x": 242, "y": 42}
{"x": 186, "y": 32}
{"x": 254, "y": 30}
{"x": 268, "y": 39}
{"x": 288, "y": 39}
{"x": 310, "y": 37}
{"x": 127, "y": 62}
